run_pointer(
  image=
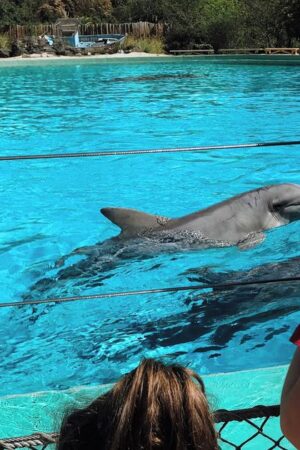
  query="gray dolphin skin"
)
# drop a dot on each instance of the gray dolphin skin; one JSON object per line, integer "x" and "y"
{"x": 239, "y": 220}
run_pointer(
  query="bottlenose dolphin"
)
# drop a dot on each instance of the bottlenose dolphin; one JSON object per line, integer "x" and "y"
{"x": 239, "y": 220}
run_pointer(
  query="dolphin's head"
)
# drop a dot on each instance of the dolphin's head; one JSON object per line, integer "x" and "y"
{"x": 284, "y": 201}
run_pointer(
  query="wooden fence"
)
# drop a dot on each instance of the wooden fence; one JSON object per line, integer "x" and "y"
{"x": 137, "y": 29}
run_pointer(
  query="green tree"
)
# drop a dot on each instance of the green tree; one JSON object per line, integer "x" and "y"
{"x": 262, "y": 23}
{"x": 185, "y": 25}
{"x": 95, "y": 9}
{"x": 7, "y": 12}
{"x": 52, "y": 10}
{"x": 27, "y": 11}
{"x": 140, "y": 10}
{"x": 221, "y": 22}
{"x": 291, "y": 20}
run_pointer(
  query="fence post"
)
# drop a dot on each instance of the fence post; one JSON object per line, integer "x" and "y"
{"x": 137, "y": 29}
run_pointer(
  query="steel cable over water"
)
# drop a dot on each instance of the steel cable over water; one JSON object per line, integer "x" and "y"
{"x": 218, "y": 287}
{"x": 145, "y": 152}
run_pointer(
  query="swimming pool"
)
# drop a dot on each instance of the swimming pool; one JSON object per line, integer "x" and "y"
{"x": 50, "y": 208}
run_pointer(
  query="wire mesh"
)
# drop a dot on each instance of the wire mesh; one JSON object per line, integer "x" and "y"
{"x": 252, "y": 428}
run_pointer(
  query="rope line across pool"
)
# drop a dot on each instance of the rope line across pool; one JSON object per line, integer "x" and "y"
{"x": 145, "y": 152}
{"x": 219, "y": 287}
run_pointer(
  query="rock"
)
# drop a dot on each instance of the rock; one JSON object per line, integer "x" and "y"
{"x": 4, "y": 53}
{"x": 49, "y": 50}
{"x": 71, "y": 51}
{"x": 59, "y": 48}
{"x": 16, "y": 49}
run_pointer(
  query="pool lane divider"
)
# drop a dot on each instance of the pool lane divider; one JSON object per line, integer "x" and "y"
{"x": 216, "y": 287}
{"x": 145, "y": 152}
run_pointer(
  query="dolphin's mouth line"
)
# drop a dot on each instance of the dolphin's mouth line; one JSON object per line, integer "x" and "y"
{"x": 292, "y": 204}
{"x": 286, "y": 205}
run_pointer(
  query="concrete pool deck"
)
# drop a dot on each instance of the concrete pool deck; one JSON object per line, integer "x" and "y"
{"x": 265, "y": 59}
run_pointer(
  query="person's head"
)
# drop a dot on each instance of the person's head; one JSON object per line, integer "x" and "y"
{"x": 154, "y": 407}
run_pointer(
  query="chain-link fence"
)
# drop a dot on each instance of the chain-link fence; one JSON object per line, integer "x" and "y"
{"x": 251, "y": 429}
{"x": 245, "y": 429}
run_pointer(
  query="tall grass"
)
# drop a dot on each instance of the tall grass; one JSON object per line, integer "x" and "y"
{"x": 147, "y": 45}
{"x": 5, "y": 41}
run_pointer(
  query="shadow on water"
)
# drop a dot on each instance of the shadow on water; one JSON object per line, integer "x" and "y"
{"x": 202, "y": 327}
{"x": 88, "y": 267}
{"x": 165, "y": 76}
{"x": 240, "y": 308}
{"x": 215, "y": 315}
{"x": 214, "y": 318}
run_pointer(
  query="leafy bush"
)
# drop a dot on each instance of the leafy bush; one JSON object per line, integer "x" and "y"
{"x": 5, "y": 41}
{"x": 147, "y": 45}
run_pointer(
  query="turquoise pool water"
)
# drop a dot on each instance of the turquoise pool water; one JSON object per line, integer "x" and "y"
{"x": 50, "y": 208}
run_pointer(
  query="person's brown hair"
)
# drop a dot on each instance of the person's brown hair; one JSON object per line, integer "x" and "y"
{"x": 156, "y": 406}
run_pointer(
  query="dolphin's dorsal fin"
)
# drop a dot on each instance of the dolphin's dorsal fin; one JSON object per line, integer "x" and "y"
{"x": 133, "y": 222}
